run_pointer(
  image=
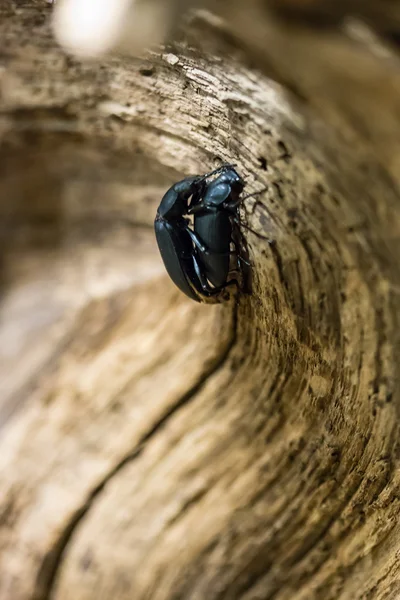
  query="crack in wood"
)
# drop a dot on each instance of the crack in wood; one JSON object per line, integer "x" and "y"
{"x": 48, "y": 571}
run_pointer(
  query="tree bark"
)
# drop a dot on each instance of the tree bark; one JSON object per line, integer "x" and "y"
{"x": 155, "y": 448}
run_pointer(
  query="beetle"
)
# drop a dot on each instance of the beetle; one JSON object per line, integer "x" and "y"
{"x": 179, "y": 246}
{"x": 215, "y": 214}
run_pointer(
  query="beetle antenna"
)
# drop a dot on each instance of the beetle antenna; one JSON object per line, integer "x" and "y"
{"x": 252, "y": 194}
{"x": 262, "y": 237}
{"x": 239, "y": 201}
{"x": 257, "y": 202}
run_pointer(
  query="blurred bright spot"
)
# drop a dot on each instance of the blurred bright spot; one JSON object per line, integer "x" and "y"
{"x": 90, "y": 28}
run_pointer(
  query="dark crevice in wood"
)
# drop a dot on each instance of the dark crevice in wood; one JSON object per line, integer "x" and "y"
{"x": 279, "y": 266}
{"x": 52, "y": 561}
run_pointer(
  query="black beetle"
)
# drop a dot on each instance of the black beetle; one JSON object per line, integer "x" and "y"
{"x": 214, "y": 217}
{"x": 179, "y": 246}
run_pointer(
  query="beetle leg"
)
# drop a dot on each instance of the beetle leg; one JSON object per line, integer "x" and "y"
{"x": 233, "y": 204}
{"x": 243, "y": 260}
{"x": 262, "y": 237}
{"x": 208, "y": 290}
{"x": 198, "y": 192}
{"x": 199, "y": 244}
{"x": 206, "y": 287}
{"x": 239, "y": 256}
{"x": 252, "y": 194}
{"x": 196, "y": 206}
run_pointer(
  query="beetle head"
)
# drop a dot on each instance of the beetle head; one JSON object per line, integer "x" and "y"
{"x": 228, "y": 186}
{"x": 233, "y": 178}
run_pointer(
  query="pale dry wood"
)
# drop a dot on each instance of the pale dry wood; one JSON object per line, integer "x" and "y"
{"x": 155, "y": 448}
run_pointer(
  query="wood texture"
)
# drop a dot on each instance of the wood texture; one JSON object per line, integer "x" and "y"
{"x": 153, "y": 448}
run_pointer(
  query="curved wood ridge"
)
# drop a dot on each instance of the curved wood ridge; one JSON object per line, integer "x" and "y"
{"x": 153, "y": 448}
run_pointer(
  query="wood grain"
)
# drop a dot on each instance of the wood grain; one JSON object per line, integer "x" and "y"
{"x": 156, "y": 448}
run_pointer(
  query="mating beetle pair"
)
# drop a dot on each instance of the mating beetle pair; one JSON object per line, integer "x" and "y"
{"x": 198, "y": 259}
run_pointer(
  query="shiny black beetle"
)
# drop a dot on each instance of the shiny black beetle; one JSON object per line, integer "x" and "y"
{"x": 198, "y": 261}
{"x": 214, "y": 218}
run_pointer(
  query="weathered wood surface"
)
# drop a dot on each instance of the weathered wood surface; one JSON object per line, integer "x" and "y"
{"x": 155, "y": 448}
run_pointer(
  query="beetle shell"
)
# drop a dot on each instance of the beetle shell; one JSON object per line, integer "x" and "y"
{"x": 176, "y": 250}
{"x": 213, "y": 225}
{"x": 214, "y": 228}
{"x": 198, "y": 261}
